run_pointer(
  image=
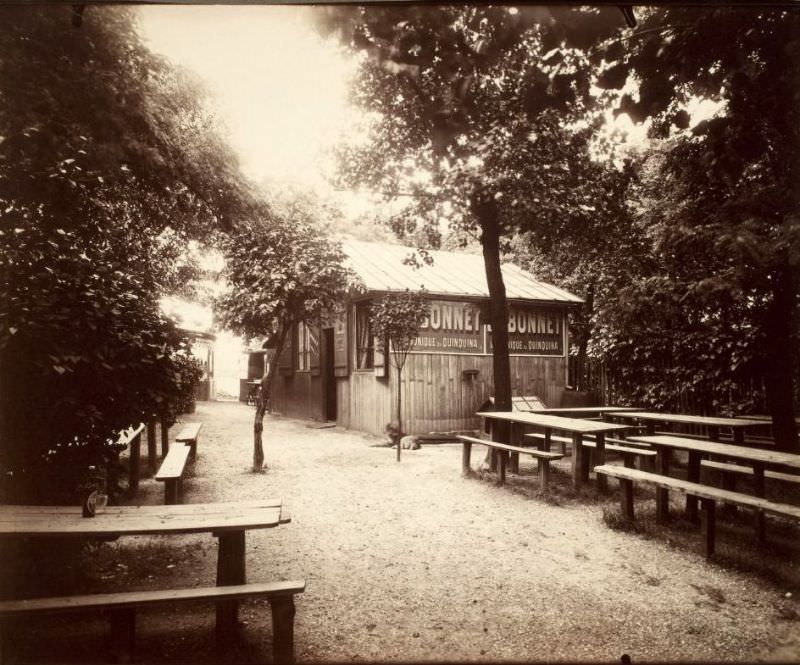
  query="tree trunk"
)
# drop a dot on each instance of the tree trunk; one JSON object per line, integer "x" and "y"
{"x": 485, "y": 209}
{"x": 781, "y": 361}
{"x": 399, "y": 421}
{"x": 267, "y": 382}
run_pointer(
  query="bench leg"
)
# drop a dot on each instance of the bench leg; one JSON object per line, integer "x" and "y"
{"x": 123, "y": 634}
{"x": 710, "y": 519}
{"x": 465, "y": 454}
{"x": 282, "y": 629}
{"x": 544, "y": 475}
{"x": 171, "y": 492}
{"x": 693, "y": 476}
{"x": 759, "y": 489}
{"x": 599, "y": 460}
{"x": 230, "y": 570}
{"x": 502, "y": 456}
{"x": 513, "y": 463}
{"x": 626, "y": 498}
{"x": 134, "y": 463}
{"x": 662, "y": 495}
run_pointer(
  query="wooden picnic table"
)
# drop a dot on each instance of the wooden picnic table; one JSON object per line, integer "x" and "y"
{"x": 576, "y": 427}
{"x": 697, "y": 448}
{"x": 711, "y": 423}
{"x": 227, "y": 521}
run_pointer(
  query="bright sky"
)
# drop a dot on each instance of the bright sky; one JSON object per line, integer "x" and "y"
{"x": 280, "y": 89}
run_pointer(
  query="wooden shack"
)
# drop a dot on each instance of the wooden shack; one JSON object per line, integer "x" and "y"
{"x": 337, "y": 372}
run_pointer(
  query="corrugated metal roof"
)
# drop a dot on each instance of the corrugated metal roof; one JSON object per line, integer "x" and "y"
{"x": 380, "y": 266}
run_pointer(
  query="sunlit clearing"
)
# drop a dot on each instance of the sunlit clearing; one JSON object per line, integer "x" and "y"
{"x": 279, "y": 88}
{"x": 189, "y": 315}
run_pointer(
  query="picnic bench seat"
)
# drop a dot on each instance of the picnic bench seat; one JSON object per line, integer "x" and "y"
{"x": 708, "y": 496}
{"x": 121, "y": 608}
{"x": 619, "y": 446}
{"x": 542, "y": 456}
{"x": 171, "y": 473}
{"x": 726, "y": 467}
{"x": 188, "y": 435}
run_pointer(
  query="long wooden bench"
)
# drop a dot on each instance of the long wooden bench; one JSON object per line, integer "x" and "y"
{"x": 628, "y": 453}
{"x": 543, "y": 457}
{"x": 709, "y": 496}
{"x": 188, "y": 435}
{"x": 726, "y": 467}
{"x": 171, "y": 473}
{"x": 122, "y": 606}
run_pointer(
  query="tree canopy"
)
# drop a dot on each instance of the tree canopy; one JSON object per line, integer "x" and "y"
{"x": 109, "y": 162}
{"x": 483, "y": 117}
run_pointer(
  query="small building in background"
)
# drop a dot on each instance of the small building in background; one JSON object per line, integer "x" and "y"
{"x": 337, "y": 371}
{"x": 203, "y": 349}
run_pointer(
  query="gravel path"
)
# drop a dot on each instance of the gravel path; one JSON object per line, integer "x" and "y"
{"x": 411, "y": 562}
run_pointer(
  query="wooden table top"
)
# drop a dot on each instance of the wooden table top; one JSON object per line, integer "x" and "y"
{"x": 723, "y": 449}
{"x": 578, "y": 409}
{"x": 115, "y": 521}
{"x": 762, "y": 418}
{"x": 575, "y": 425}
{"x": 709, "y": 421}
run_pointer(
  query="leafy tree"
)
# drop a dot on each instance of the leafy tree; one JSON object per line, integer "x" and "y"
{"x": 478, "y": 115}
{"x": 108, "y": 165}
{"x": 279, "y": 271}
{"x": 720, "y": 201}
{"x": 396, "y": 318}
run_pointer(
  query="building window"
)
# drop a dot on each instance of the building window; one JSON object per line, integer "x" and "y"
{"x": 303, "y": 348}
{"x": 365, "y": 353}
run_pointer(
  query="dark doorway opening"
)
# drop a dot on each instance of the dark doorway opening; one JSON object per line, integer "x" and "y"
{"x": 329, "y": 377}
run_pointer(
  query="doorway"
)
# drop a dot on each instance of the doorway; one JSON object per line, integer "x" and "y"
{"x": 328, "y": 377}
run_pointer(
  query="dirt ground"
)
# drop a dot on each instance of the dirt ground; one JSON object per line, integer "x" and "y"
{"x": 411, "y": 562}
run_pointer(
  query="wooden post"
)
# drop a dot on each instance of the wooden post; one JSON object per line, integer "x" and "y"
{"x": 759, "y": 490}
{"x": 710, "y": 520}
{"x": 544, "y": 475}
{"x": 576, "y": 460}
{"x": 693, "y": 476}
{"x": 465, "y": 454}
{"x": 662, "y": 494}
{"x": 123, "y": 634}
{"x": 152, "y": 453}
{"x": 600, "y": 459}
{"x": 230, "y": 570}
{"x": 502, "y": 456}
{"x": 164, "y": 438}
{"x": 548, "y": 433}
{"x": 626, "y": 496}
{"x": 134, "y": 463}
{"x": 282, "y": 629}
{"x": 171, "y": 492}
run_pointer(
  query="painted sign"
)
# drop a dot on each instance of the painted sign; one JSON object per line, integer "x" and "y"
{"x": 533, "y": 331}
{"x": 451, "y": 327}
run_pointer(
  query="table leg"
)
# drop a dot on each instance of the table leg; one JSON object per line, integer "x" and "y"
{"x": 600, "y": 459}
{"x": 513, "y": 462}
{"x": 693, "y": 476}
{"x": 230, "y": 570}
{"x": 580, "y": 471}
{"x": 662, "y": 495}
{"x": 548, "y": 432}
{"x": 738, "y": 436}
{"x": 759, "y": 490}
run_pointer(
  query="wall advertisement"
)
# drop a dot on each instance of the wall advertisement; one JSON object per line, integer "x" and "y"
{"x": 457, "y": 328}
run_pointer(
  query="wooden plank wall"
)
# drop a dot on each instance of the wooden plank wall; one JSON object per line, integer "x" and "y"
{"x": 298, "y": 396}
{"x": 436, "y": 395}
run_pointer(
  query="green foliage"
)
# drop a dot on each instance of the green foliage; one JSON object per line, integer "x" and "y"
{"x": 397, "y": 317}
{"x": 99, "y": 200}
{"x": 279, "y": 271}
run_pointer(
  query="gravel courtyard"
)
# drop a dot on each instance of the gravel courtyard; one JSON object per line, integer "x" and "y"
{"x": 412, "y": 562}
